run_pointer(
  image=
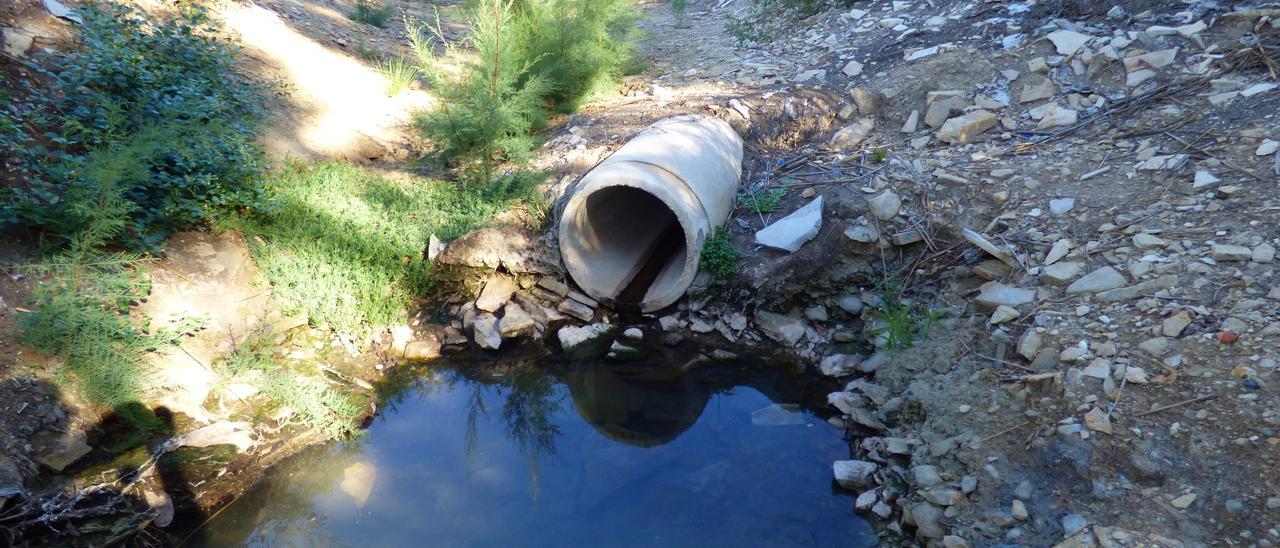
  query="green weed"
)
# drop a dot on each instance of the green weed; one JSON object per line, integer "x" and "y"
{"x": 371, "y": 13}
{"x": 314, "y": 402}
{"x": 130, "y": 71}
{"x": 520, "y": 60}
{"x": 761, "y": 201}
{"x": 680, "y": 8}
{"x": 345, "y": 245}
{"x": 489, "y": 108}
{"x": 878, "y": 155}
{"x": 901, "y": 323}
{"x": 719, "y": 257}
{"x": 399, "y": 73}
{"x": 81, "y": 308}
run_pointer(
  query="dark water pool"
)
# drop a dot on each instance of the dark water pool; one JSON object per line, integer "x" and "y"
{"x": 548, "y": 454}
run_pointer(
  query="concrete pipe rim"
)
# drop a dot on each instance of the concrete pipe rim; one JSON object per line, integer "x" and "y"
{"x": 695, "y": 233}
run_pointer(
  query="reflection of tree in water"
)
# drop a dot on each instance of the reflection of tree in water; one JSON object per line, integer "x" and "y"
{"x": 530, "y": 406}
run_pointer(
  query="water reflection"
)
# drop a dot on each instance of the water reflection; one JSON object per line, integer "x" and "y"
{"x": 644, "y": 455}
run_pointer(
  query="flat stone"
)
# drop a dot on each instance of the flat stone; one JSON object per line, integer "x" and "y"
{"x": 1139, "y": 76}
{"x": 840, "y": 365}
{"x": 998, "y": 251}
{"x": 1057, "y": 251}
{"x": 497, "y": 291}
{"x": 1019, "y": 510}
{"x": 926, "y": 475}
{"x": 939, "y": 111}
{"x": 1144, "y": 241}
{"x": 17, "y": 41}
{"x": 995, "y": 294}
{"x": 912, "y": 123}
{"x": 851, "y": 304}
{"x": 1057, "y": 117}
{"x": 1099, "y": 368}
{"x": 928, "y": 520}
{"x": 852, "y": 68}
{"x": 853, "y": 474}
{"x": 1156, "y": 59}
{"x": 1263, "y": 253}
{"x": 784, "y": 329}
{"x": 1184, "y": 501}
{"x": 1173, "y": 325}
{"x": 1096, "y": 419}
{"x": 1267, "y": 148}
{"x": 862, "y": 232}
{"x": 1068, "y": 42}
{"x": 962, "y": 129}
{"x": 1101, "y": 279}
{"x": 942, "y": 496}
{"x": 1155, "y": 346}
{"x": 1060, "y": 274}
{"x": 485, "y": 331}
{"x": 1003, "y": 314}
{"x": 1029, "y": 343}
{"x": 574, "y": 339}
{"x": 1227, "y": 252}
{"x": 57, "y": 450}
{"x": 553, "y": 285}
{"x": 1137, "y": 290}
{"x": 850, "y": 136}
{"x": 515, "y": 321}
{"x": 794, "y": 230}
{"x": 1257, "y": 88}
{"x": 788, "y": 414}
{"x": 885, "y": 205}
{"x": 1061, "y": 206}
{"x": 576, "y": 310}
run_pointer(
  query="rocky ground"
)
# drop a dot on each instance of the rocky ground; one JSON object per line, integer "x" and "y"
{"x": 1088, "y": 196}
{"x": 1084, "y": 196}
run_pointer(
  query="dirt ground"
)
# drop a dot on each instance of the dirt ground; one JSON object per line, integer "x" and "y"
{"x": 1111, "y": 381}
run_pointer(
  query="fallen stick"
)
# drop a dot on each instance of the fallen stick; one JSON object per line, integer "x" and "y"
{"x": 1000, "y": 433}
{"x": 1178, "y": 404}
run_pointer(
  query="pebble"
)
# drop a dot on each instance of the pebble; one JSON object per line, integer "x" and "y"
{"x": 1019, "y": 510}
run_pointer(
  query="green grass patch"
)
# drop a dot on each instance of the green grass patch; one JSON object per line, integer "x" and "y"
{"x": 719, "y": 258}
{"x": 901, "y": 322}
{"x": 372, "y": 13}
{"x": 761, "y": 201}
{"x": 399, "y": 73}
{"x": 313, "y": 401}
{"x": 345, "y": 244}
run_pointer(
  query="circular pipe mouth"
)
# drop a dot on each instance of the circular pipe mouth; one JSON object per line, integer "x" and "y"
{"x": 626, "y": 246}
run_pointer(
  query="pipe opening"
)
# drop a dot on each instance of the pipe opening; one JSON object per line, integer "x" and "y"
{"x": 638, "y": 243}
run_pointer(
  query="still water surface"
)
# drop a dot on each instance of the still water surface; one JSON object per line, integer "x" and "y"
{"x": 588, "y": 455}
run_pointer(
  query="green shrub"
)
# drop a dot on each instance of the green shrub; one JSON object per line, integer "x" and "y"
{"x": 761, "y": 201}
{"x": 901, "y": 323}
{"x": 345, "y": 245}
{"x": 130, "y": 72}
{"x": 491, "y": 104}
{"x": 399, "y": 73}
{"x": 719, "y": 257}
{"x": 371, "y": 13}
{"x": 680, "y": 8}
{"x": 315, "y": 403}
{"x": 81, "y": 308}
{"x": 579, "y": 47}
{"x": 519, "y": 60}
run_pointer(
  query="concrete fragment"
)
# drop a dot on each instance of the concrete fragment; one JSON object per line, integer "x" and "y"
{"x": 792, "y": 231}
{"x": 962, "y": 129}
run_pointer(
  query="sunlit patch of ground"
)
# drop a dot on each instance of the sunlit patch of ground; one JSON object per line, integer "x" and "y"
{"x": 337, "y": 107}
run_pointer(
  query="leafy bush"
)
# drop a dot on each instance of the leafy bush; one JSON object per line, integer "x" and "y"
{"x": 679, "y": 8}
{"x": 314, "y": 402}
{"x": 399, "y": 73}
{"x": 81, "y": 309}
{"x": 901, "y": 322}
{"x": 719, "y": 257}
{"x": 763, "y": 18}
{"x": 372, "y": 13}
{"x": 579, "y": 47}
{"x": 131, "y": 72}
{"x": 520, "y": 59}
{"x": 345, "y": 245}
{"x": 491, "y": 104}
{"x": 761, "y": 201}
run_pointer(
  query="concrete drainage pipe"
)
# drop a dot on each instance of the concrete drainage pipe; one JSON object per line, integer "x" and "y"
{"x": 632, "y": 233}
